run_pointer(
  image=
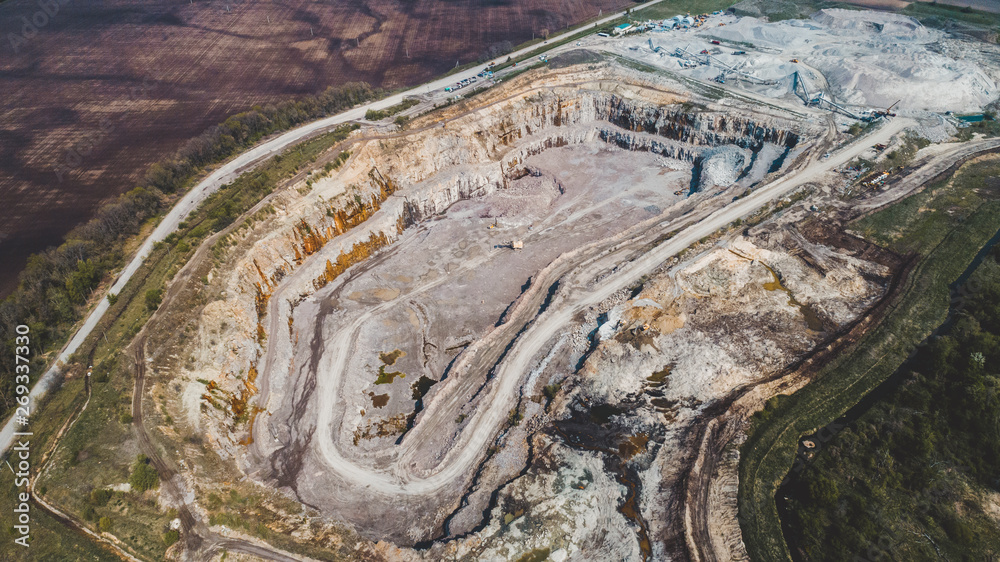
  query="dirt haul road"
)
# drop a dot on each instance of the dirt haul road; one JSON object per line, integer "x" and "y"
{"x": 223, "y": 175}
{"x": 571, "y": 298}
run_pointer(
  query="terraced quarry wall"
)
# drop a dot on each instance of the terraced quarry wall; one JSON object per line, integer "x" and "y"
{"x": 431, "y": 170}
{"x": 393, "y": 250}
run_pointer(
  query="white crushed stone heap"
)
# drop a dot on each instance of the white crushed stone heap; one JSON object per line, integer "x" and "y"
{"x": 722, "y": 166}
{"x": 870, "y": 59}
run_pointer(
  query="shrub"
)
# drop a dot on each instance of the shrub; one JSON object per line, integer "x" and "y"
{"x": 153, "y": 299}
{"x": 551, "y": 390}
{"x": 170, "y": 537}
{"x": 144, "y": 476}
{"x": 104, "y": 524}
{"x": 100, "y": 497}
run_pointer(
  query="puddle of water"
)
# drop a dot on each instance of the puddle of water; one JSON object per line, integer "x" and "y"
{"x": 633, "y": 446}
{"x": 421, "y": 387}
{"x": 581, "y": 431}
{"x": 602, "y": 413}
{"x": 536, "y": 555}
{"x": 391, "y": 357}
{"x": 386, "y": 377}
{"x": 659, "y": 378}
{"x": 379, "y": 400}
{"x": 812, "y": 319}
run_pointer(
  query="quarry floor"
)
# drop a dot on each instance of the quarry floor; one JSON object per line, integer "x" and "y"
{"x": 364, "y": 344}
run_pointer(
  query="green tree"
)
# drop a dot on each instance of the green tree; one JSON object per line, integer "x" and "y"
{"x": 104, "y": 524}
{"x": 823, "y": 490}
{"x": 100, "y": 497}
{"x": 144, "y": 476}
{"x": 170, "y": 537}
{"x": 82, "y": 281}
{"x": 153, "y": 299}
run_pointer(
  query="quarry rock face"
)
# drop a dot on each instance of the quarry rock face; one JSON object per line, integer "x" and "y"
{"x": 431, "y": 171}
{"x": 722, "y": 166}
{"x": 400, "y": 275}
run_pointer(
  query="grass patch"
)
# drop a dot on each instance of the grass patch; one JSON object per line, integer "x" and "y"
{"x": 928, "y": 14}
{"x": 680, "y": 7}
{"x": 50, "y": 540}
{"x": 242, "y": 509}
{"x": 768, "y": 453}
{"x": 909, "y": 479}
{"x": 379, "y": 114}
{"x": 921, "y": 220}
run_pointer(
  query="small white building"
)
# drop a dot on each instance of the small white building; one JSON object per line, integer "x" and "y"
{"x": 622, "y": 28}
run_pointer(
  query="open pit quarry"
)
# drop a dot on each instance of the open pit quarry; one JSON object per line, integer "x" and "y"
{"x": 504, "y": 329}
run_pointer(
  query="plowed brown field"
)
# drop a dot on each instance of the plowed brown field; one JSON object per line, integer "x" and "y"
{"x": 94, "y": 91}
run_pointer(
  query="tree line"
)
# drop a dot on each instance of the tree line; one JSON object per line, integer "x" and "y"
{"x": 903, "y": 481}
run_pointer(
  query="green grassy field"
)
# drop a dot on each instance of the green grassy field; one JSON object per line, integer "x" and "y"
{"x": 910, "y": 478}
{"x": 672, "y": 8}
{"x": 948, "y": 223}
{"x": 925, "y": 11}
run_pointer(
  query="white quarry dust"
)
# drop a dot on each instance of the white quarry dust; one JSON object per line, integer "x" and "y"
{"x": 865, "y": 59}
{"x": 570, "y": 508}
{"x": 722, "y": 166}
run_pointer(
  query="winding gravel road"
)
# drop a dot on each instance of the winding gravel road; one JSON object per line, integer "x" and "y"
{"x": 482, "y": 427}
